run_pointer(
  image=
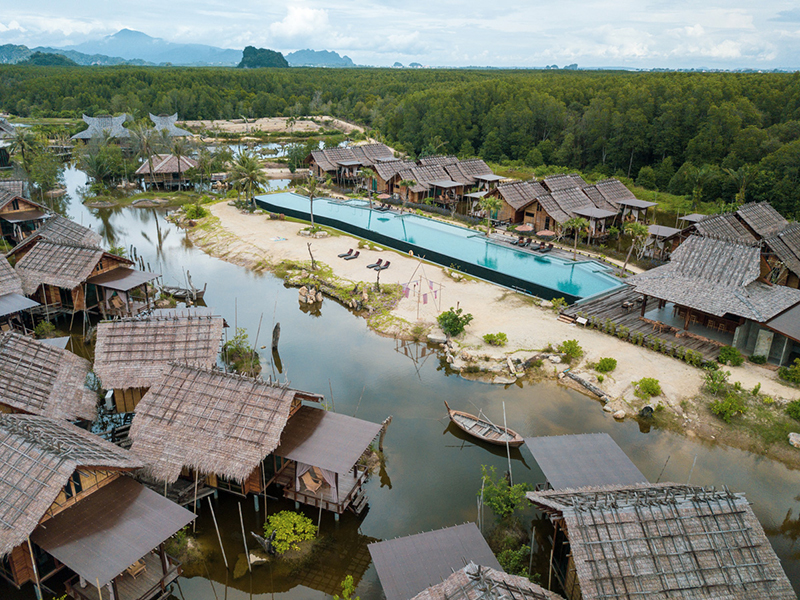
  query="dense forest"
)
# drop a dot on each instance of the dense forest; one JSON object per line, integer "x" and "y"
{"x": 713, "y": 136}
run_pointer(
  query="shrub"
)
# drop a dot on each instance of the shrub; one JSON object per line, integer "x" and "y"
{"x": 501, "y": 497}
{"x": 728, "y": 407}
{"x": 793, "y": 409}
{"x": 600, "y": 378}
{"x": 348, "y": 588}
{"x": 728, "y": 355}
{"x": 606, "y": 365}
{"x": 791, "y": 374}
{"x": 756, "y": 389}
{"x": 238, "y": 353}
{"x": 453, "y": 321}
{"x": 44, "y": 329}
{"x": 290, "y": 529}
{"x": 646, "y": 387}
{"x": 571, "y": 349}
{"x": 496, "y": 339}
{"x": 194, "y": 211}
{"x": 515, "y": 562}
{"x": 558, "y": 304}
{"x": 758, "y": 359}
{"x": 716, "y": 380}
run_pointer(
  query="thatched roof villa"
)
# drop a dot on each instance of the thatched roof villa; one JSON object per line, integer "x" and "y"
{"x": 169, "y": 171}
{"x": 19, "y": 217}
{"x": 40, "y": 379}
{"x": 133, "y": 354}
{"x": 343, "y": 164}
{"x": 68, "y": 506}
{"x": 218, "y": 425}
{"x": 103, "y": 126}
{"x": 165, "y": 124}
{"x": 660, "y": 541}
{"x": 475, "y": 582}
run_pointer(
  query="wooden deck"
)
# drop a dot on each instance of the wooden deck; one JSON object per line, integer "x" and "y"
{"x": 145, "y": 586}
{"x": 350, "y": 491}
{"x": 623, "y": 307}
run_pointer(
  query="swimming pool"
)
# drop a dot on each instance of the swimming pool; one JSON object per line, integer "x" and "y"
{"x": 465, "y": 249}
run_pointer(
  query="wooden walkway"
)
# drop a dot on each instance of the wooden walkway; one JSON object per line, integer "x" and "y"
{"x": 623, "y": 307}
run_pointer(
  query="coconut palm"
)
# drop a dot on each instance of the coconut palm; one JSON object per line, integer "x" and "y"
{"x": 25, "y": 143}
{"x": 180, "y": 148}
{"x": 309, "y": 188}
{"x": 742, "y": 177}
{"x": 577, "y": 225}
{"x": 247, "y": 175}
{"x": 408, "y": 184}
{"x": 490, "y": 205}
{"x": 146, "y": 143}
{"x": 638, "y": 232}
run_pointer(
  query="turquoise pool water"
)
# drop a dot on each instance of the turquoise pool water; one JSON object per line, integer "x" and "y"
{"x": 467, "y": 250}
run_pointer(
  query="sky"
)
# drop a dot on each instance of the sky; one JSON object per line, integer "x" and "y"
{"x": 525, "y": 33}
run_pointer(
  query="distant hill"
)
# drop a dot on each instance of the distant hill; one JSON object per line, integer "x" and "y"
{"x": 255, "y": 58}
{"x": 10, "y": 54}
{"x": 130, "y": 45}
{"x": 318, "y": 58}
{"x": 42, "y": 59}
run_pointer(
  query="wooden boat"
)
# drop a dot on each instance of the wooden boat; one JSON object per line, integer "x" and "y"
{"x": 483, "y": 429}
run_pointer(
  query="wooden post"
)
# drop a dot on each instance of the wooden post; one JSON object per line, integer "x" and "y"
{"x": 36, "y": 572}
{"x": 552, "y": 552}
{"x": 276, "y": 336}
{"x": 219, "y": 537}
{"x": 508, "y": 448}
{"x": 99, "y": 591}
{"x": 114, "y": 589}
{"x": 644, "y": 304}
{"x": 244, "y": 539}
{"x": 194, "y": 504}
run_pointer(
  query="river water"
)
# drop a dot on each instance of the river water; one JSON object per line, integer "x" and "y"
{"x": 431, "y": 475}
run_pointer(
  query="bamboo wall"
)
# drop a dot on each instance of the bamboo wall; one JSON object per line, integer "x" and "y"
{"x": 127, "y": 399}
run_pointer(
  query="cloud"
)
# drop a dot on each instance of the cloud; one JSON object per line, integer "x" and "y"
{"x": 12, "y": 26}
{"x": 301, "y": 23}
{"x": 788, "y": 16}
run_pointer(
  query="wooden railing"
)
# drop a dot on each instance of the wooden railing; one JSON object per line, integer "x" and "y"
{"x": 74, "y": 589}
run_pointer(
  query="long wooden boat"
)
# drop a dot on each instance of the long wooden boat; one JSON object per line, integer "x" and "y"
{"x": 483, "y": 429}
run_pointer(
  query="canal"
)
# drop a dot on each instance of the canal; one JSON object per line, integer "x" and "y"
{"x": 431, "y": 474}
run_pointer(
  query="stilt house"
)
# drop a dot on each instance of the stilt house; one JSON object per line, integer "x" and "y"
{"x": 12, "y": 299}
{"x": 40, "y": 379}
{"x": 344, "y": 164}
{"x": 475, "y": 582}
{"x": 68, "y": 507}
{"x": 214, "y": 426}
{"x": 659, "y": 541}
{"x": 19, "y": 217}
{"x": 169, "y": 172}
{"x": 133, "y": 354}
{"x": 384, "y": 181}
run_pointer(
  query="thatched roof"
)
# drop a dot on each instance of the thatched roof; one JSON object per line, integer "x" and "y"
{"x": 613, "y": 190}
{"x": 762, "y": 218}
{"x": 387, "y": 170}
{"x": 428, "y": 161}
{"x": 7, "y": 196}
{"x": 102, "y": 126}
{"x": 661, "y": 541}
{"x": 61, "y": 264}
{"x": 474, "y": 582}
{"x": 464, "y": 171}
{"x": 61, "y": 229}
{"x": 41, "y": 379}
{"x": 570, "y": 199}
{"x": 786, "y": 246}
{"x": 210, "y": 421}
{"x": 520, "y": 194}
{"x": 38, "y": 455}
{"x": 166, "y": 123}
{"x": 10, "y": 282}
{"x": 563, "y": 182}
{"x": 135, "y": 353}
{"x": 366, "y": 155}
{"x": 16, "y": 187}
{"x": 167, "y": 164}
{"x": 6, "y": 128}
{"x": 718, "y": 277}
{"x": 723, "y": 226}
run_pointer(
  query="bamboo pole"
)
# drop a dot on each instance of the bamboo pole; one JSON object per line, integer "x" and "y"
{"x": 508, "y": 448}
{"x": 194, "y": 504}
{"x": 99, "y": 591}
{"x": 36, "y": 572}
{"x": 244, "y": 539}
{"x": 219, "y": 537}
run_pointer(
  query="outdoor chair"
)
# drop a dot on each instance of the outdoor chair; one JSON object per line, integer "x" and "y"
{"x": 375, "y": 264}
{"x": 384, "y": 266}
{"x": 136, "y": 568}
{"x": 352, "y": 256}
{"x": 541, "y": 247}
{"x": 311, "y": 484}
{"x": 348, "y": 253}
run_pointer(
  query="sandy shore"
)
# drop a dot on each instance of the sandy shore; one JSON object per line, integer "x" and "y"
{"x": 273, "y": 125}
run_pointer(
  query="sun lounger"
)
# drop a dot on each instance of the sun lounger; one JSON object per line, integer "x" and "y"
{"x": 348, "y": 253}
{"x": 516, "y": 242}
{"x": 384, "y": 266}
{"x": 352, "y": 256}
{"x": 540, "y": 247}
{"x": 549, "y": 247}
{"x": 375, "y": 264}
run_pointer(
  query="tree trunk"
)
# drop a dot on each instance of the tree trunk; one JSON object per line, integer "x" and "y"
{"x": 627, "y": 258}
{"x": 313, "y": 262}
{"x": 630, "y": 164}
{"x": 575, "y": 247}
{"x": 311, "y": 209}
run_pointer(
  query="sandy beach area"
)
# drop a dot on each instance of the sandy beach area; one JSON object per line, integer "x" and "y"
{"x": 273, "y": 125}
{"x": 252, "y": 239}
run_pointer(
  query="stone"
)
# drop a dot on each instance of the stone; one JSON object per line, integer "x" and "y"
{"x": 437, "y": 338}
{"x": 319, "y": 296}
{"x": 365, "y": 297}
{"x": 503, "y": 380}
{"x": 465, "y": 355}
{"x": 511, "y": 367}
{"x": 255, "y": 559}
{"x": 794, "y": 439}
{"x": 620, "y": 414}
{"x": 608, "y": 408}
{"x": 554, "y": 359}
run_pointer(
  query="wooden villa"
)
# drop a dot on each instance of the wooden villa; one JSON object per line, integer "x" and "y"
{"x": 343, "y": 164}
{"x": 41, "y": 379}
{"x": 617, "y": 196}
{"x": 133, "y": 354}
{"x": 383, "y": 182}
{"x": 516, "y": 197}
{"x": 12, "y": 300}
{"x": 475, "y": 582}
{"x": 68, "y": 507}
{"x": 659, "y": 541}
{"x": 60, "y": 229}
{"x": 104, "y": 126}
{"x": 168, "y": 172}
{"x": 716, "y": 289}
{"x": 431, "y": 181}
{"x": 19, "y": 217}
{"x": 219, "y": 428}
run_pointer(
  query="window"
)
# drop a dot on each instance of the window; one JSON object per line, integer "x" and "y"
{"x": 73, "y": 487}
{"x": 15, "y": 204}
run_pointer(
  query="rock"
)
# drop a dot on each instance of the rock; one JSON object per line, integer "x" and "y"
{"x": 310, "y": 299}
{"x": 503, "y": 380}
{"x": 620, "y": 414}
{"x": 437, "y": 338}
{"x": 465, "y": 355}
{"x": 303, "y": 274}
{"x": 608, "y": 408}
{"x": 303, "y": 291}
{"x": 794, "y": 439}
{"x": 450, "y": 359}
{"x": 255, "y": 559}
{"x": 365, "y": 297}
{"x": 554, "y": 359}
{"x": 561, "y": 375}
{"x": 511, "y": 367}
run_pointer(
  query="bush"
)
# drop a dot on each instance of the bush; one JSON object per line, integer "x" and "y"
{"x": 290, "y": 529}
{"x": 728, "y": 407}
{"x": 238, "y": 353}
{"x": 501, "y": 497}
{"x": 646, "y": 387}
{"x": 791, "y": 374}
{"x": 194, "y": 211}
{"x": 453, "y": 321}
{"x": 728, "y": 355}
{"x": 758, "y": 359}
{"x": 44, "y": 329}
{"x": 515, "y": 562}
{"x": 558, "y": 304}
{"x": 606, "y": 365}
{"x": 716, "y": 380}
{"x": 793, "y": 409}
{"x": 600, "y": 379}
{"x": 496, "y": 339}
{"x": 571, "y": 349}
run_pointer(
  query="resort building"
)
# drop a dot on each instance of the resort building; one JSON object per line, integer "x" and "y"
{"x": 60, "y": 229}
{"x": 475, "y": 582}
{"x": 19, "y": 217}
{"x": 169, "y": 172}
{"x": 40, "y": 379}
{"x": 384, "y": 180}
{"x": 12, "y": 299}
{"x": 165, "y": 124}
{"x": 343, "y": 164}
{"x": 133, "y": 354}
{"x": 104, "y": 126}
{"x": 659, "y": 541}
{"x": 430, "y": 182}
{"x": 68, "y": 506}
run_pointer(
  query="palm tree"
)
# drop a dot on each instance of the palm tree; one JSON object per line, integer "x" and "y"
{"x": 699, "y": 176}
{"x": 638, "y": 233}
{"x": 489, "y": 205}
{"x": 406, "y": 183}
{"x": 247, "y": 175}
{"x": 180, "y": 149}
{"x": 25, "y": 143}
{"x": 146, "y": 142}
{"x": 310, "y": 189}
{"x": 578, "y": 225}
{"x": 741, "y": 177}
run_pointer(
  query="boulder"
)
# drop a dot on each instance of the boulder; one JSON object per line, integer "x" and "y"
{"x": 503, "y": 380}
{"x": 620, "y": 414}
{"x": 437, "y": 338}
{"x": 554, "y": 359}
{"x": 608, "y": 408}
{"x": 794, "y": 439}
{"x": 319, "y": 296}
{"x": 512, "y": 369}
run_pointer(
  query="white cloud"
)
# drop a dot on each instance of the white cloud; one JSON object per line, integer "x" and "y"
{"x": 300, "y": 23}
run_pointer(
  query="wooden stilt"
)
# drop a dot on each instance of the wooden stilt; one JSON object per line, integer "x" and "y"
{"x": 194, "y": 504}
{"x": 219, "y": 537}
{"x": 244, "y": 539}
{"x": 38, "y": 583}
